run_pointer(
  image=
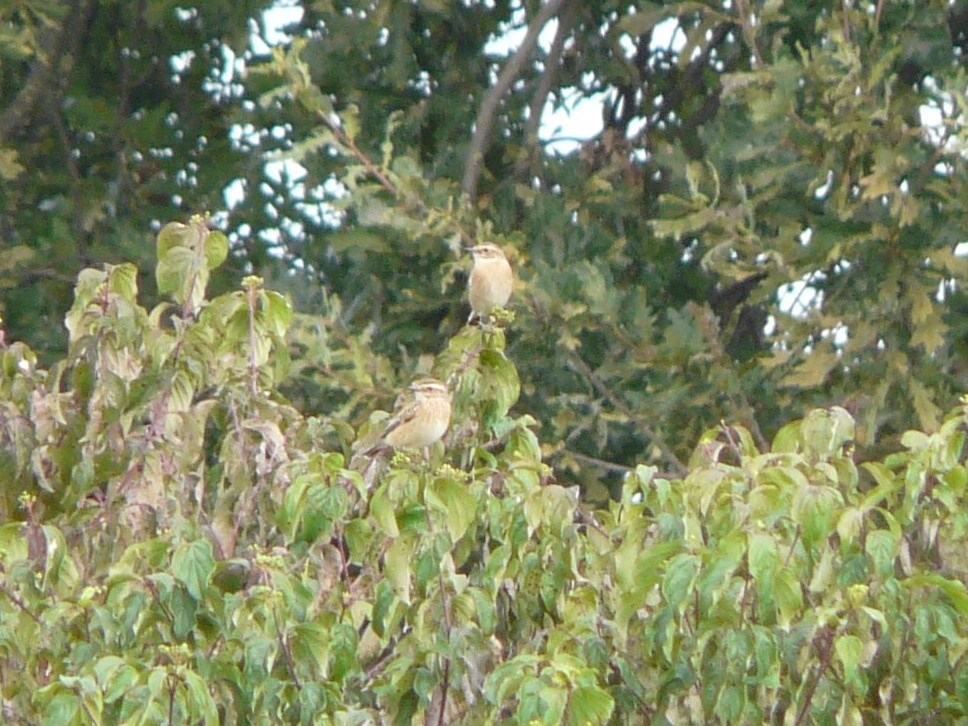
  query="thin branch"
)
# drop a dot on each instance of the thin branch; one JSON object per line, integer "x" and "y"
{"x": 610, "y": 466}
{"x": 569, "y": 14}
{"x": 822, "y": 642}
{"x": 877, "y": 15}
{"x": 287, "y": 653}
{"x": 710, "y": 330}
{"x": 251, "y": 298}
{"x": 746, "y": 23}
{"x": 377, "y": 173}
{"x": 444, "y": 688}
{"x": 600, "y": 463}
{"x": 20, "y": 604}
{"x": 77, "y": 198}
{"x": 668, "y": 454}
{"x": 489, "y": 106}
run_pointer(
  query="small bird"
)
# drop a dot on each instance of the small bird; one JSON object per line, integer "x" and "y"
{"x": 419, "y": 423}
{"x": 424, "y": 420}
{"x": 490, "y": 282}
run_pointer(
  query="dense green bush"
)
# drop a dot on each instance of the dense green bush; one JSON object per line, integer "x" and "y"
{"x": 180, "y": 545}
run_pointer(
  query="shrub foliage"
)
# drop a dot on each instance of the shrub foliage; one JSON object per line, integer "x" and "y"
{"x": 181, "y": 545}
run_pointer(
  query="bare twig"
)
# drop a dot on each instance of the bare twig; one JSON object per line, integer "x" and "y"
{"x": 20, "y": 604}
{"x": 823, "y": 642}
{"x": 610, "y": 466}
{"x": 376, "y": 172}
{"x": 710, "y": 330}
{"x": 749, "y": 33}
{"x": 286, "y": 647}
{"x": 731, "y": 440}
{"x": 600, "y": 463}
{"x": 253, "y": 363}
{"x": 343, "y": 139}
{"x": 489, "y": 106}
{"x": 444, "y": 687}
{"x": 877, "y": 15}
{"x": 77, "y": 198}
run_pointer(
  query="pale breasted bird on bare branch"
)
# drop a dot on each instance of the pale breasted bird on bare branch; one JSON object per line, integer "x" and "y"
{"x": 490, "y": 282}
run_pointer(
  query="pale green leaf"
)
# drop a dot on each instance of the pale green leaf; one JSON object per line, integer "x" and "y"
{"x": 382, "y": 510}
{"x": 398, "y": 566}
{"x": 789, "y": 596}
{"x": 457, "y": 504}
{"x": 193, "y": 563}
{"x": 590, "y": 705}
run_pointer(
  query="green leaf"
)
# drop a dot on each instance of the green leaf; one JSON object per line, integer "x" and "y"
{"x": 953, "y": 589}
{"x": 216, "y": 249}
{"x": 277, "y": 312}
{"x": 825, "y": 432}
{"x": 547, "y": 703}
{"x": 231, "y": 575}
{"x": 175, "y": 272}
{"x": 812, "y": 371}
{"x": 850, "y": 653}
{"x": 881, "y": 546}
{"x": 398, "y": 566}
{"x": 498, "y": 387}
{"x": 115, "y": 677}
{"x": 816, "y": 510}
{"x": 789, "y": 596}
{"x": 590, "y": 705}
{"x": 455, "y": 501}
{"x": 763, "y": 558}
{"x": 680, "y": 578}
{"x": 383, "y": 511}
{"x": 183, "y": 607}
{"x": 729, "y": 705}
{"x": 62, "y": 709}
{"x": 201, "y": 703}
{"x": 310, "y": 647}
{"x": 193, "y": 564}
{"x": 551, "y": 506}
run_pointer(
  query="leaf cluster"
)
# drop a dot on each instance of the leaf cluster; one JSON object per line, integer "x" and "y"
{"x": 181, "y": 544}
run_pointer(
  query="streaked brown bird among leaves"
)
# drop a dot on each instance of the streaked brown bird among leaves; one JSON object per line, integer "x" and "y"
{"x": 490, "y": 282}
{"x": 424, "y": 420}
{"x": 419, "y": 423}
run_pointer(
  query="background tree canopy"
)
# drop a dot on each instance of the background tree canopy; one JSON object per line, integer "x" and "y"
{"x": 748, "y": 281}
{"x": 767, "y": 221}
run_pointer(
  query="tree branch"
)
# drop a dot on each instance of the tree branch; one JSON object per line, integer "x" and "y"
{"x": 569, "y": 13}
{"x": 489, "y": 106}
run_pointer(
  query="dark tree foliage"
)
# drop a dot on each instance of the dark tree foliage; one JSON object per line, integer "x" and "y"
{"x": 766, "y": 221}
